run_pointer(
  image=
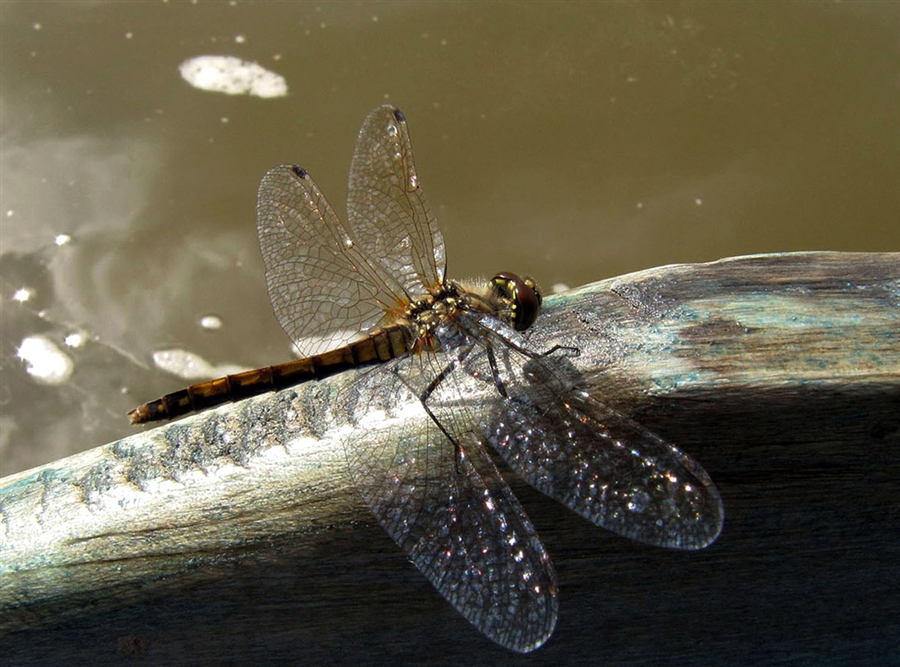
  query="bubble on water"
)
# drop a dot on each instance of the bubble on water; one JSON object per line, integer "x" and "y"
{"x": 74, "y": 340}
{"x": 211, "y": 322}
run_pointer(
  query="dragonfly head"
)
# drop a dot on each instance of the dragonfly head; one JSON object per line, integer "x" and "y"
{"x": 521, "y": 294}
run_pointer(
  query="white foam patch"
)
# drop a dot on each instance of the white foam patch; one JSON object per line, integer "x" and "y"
{"x": 232, "y": 76}
{"x": 44, "y": 361}
{"x": 306, "y": 347}
{"x": 190, "y": 366}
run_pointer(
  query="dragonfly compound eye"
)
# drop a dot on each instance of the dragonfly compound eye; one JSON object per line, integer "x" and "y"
{"x": 523, "y": 297}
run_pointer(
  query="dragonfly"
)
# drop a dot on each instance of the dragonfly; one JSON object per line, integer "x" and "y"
{"x": 373, "y": 295}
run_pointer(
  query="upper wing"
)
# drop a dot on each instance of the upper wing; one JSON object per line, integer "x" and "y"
{"x": 325, "y": 294}
{"x": 452, "y": 513}
{"x": 598, "y": 462}
{"x": 387, "y": 210}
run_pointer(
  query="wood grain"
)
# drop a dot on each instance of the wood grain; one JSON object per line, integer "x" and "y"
{"x": 235, "y": 537}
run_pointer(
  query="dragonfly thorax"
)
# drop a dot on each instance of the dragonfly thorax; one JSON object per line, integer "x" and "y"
{"x": 512, "y": 300}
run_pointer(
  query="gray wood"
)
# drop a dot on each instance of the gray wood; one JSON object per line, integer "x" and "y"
{"x": 234, "y": 536}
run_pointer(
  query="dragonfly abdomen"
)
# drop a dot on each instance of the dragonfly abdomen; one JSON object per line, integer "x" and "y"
{"x": 378, "y": 347}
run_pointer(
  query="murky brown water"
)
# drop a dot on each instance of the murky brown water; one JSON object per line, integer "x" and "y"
{"x": 569, "y": 141}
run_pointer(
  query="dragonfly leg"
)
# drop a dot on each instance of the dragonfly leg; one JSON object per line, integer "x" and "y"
{"x": 429, "y": 390}
{"x": 495, "y": 372}
{"x": 570, "y": 351}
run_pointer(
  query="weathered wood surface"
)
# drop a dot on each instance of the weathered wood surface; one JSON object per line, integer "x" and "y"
{"x": 234, "y": 536}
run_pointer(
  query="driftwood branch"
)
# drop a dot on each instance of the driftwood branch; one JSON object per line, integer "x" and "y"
{"x": 235, "y": 536}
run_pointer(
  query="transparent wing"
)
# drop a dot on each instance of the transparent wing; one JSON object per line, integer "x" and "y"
{"x": 330, "y": 284}
{"x": 324, "y": 293}
{"x": 449, "y": 509}
{"x": 387, "y": 210}
{"x": 601, "y": 464}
